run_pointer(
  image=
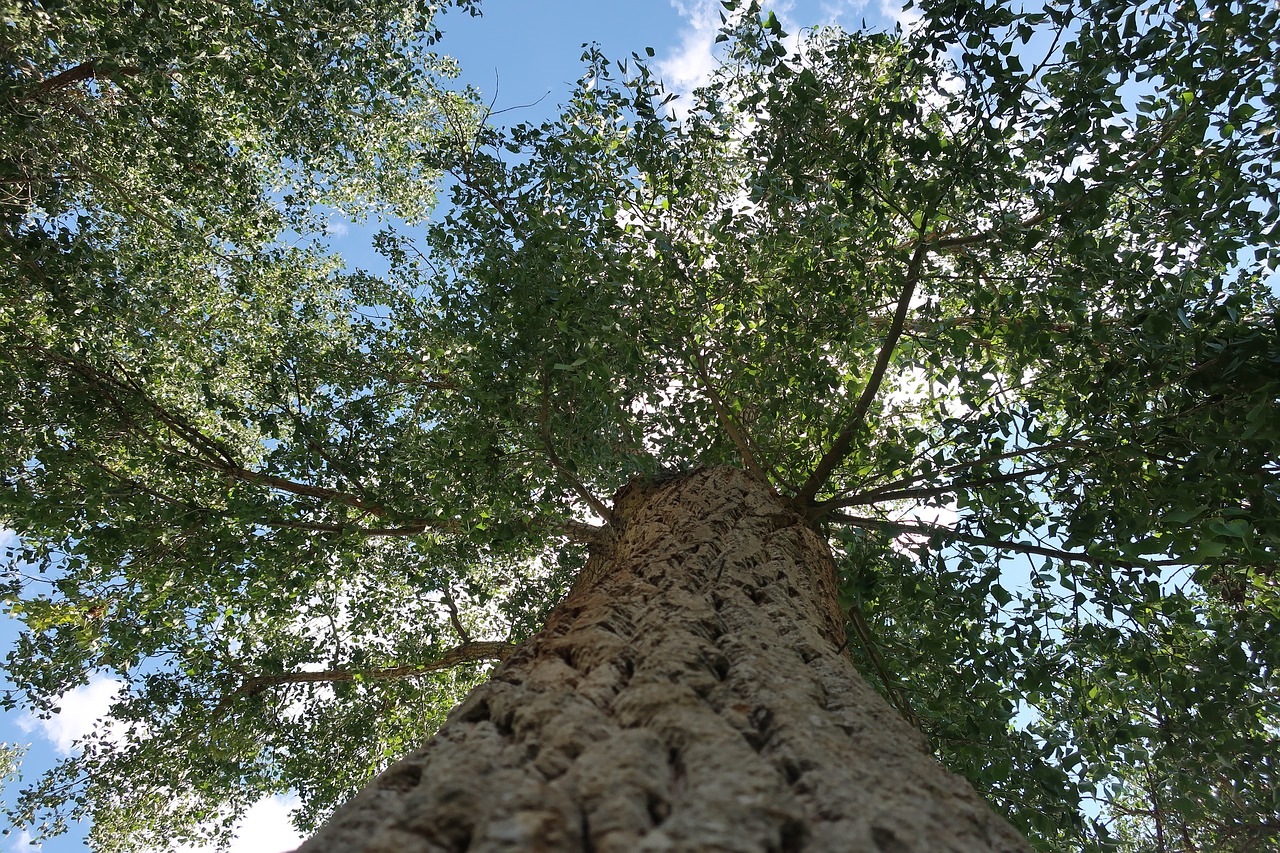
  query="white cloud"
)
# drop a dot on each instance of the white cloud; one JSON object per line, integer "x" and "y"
{"x": 22, "y": 844}
{"x": 908, "y": 19}
{"x": 695, "y": 59}
{"x": 82, "y": 710}
{"x": 265, "y": 828}
{"x": 693, "y": 62}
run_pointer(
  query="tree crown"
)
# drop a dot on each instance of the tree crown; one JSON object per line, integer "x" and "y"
{"x": 988, "y": 301}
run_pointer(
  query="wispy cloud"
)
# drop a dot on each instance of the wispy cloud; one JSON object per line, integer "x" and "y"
{"x": 844, "y": 13}
{"x": 907, "y": 19}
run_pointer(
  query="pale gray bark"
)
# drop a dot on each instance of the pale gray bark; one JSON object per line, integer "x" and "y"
{"x": 695, "y": 696}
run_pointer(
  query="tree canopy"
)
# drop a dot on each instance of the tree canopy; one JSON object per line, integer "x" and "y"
{"x": 992, "y": 301}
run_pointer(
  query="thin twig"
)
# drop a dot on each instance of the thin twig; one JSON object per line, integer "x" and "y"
{"x": 557, "y": 463}
{"x": 904, "y": 482}
{"x": 886, "y": 494}
{"x": 739, "y": 439}
{"x": 455, "y": 618}
{"x": 896, "y": 695}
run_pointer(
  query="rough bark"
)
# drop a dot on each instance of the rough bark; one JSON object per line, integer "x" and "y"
{"x": 695, "y": 695}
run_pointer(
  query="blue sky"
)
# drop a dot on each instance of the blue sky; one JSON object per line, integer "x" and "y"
{"x": 519, "y": 52}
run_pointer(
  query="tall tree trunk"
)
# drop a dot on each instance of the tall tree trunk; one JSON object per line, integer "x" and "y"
{"x": 694, "y": 693}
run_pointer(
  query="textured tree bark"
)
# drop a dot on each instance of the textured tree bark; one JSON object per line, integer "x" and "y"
{"x": 692, "y": 694}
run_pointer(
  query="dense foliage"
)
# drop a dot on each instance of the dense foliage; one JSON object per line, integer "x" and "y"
{"x": 989, "y": 301}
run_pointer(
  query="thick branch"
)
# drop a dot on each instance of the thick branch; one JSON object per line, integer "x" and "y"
{"x": 455, "y": 618}
{"x": 844, "y": 441}
{"x": 292, "y": 487}
{"x": 86, "y": 70}
{"x": 471, "y": 652}
{"x": 581, "y": 531}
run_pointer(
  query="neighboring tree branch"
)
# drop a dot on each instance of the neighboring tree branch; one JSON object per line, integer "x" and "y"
{"x": 87, "y": 70}
{"x": 924, "y": 529}
{"x": 888, "y": 494}
{"x": 983, "y": 460}
{"x": 112, "y": 387}
{"x": 455, "y": 618}
{"x": 475, "y": 651}
{"x": 739, "y": 439}
{"x": 211, "y": 453}
{"x": 844, "y": 440}
{"x": 896, "y": 695}
{"x": 410, "y": 529}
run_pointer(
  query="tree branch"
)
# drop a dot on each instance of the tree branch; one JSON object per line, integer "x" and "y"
{"x": 924, "y": 529}
{"x": 87, "y": 70}
{"x": 844, "y": 441}
{"x": 983, "y": 460}
{"x": 415, "y": 529}
{"x": 411, "y": 529}
{"x": 455, "y": 618}
{"x": 112, "y": 386}
{"x": 475, "y": 651}
{"x": 215, "y": 455}
{"x": 942, "y": 242}
{"x": 739, "y": 439}
{"x": 292, "y": 487}
{"x": 888, "y": 494}
{"x": 892, "y": 685}
{"x": 556, "y": 462}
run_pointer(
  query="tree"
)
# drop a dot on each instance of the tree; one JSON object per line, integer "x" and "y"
{"x": 1009, "y": 269}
